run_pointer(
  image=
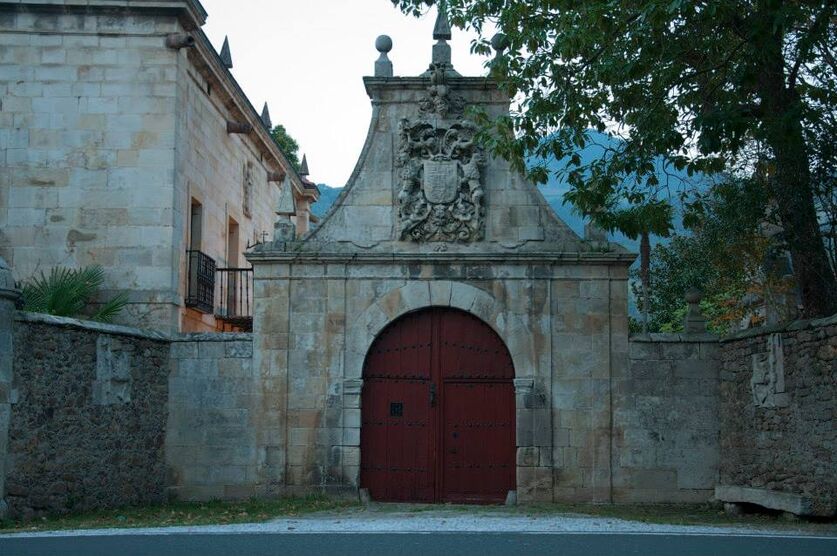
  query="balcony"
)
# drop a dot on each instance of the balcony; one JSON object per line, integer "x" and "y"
{"x": 234, "y": 309}
{"x": 200, "y": 281}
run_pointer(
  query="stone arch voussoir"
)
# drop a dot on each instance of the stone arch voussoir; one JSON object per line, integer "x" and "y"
{"x": 417, "y": 295}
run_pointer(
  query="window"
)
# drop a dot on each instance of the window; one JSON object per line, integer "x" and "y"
{"x": 196, "y": 226}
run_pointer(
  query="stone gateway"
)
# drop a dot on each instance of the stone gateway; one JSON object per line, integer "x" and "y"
{"x": 441, "y": 335}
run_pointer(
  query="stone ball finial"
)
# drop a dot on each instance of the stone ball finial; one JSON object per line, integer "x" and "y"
{"x": 383, "y": 44}
{"x": 500, "y": 42}
{"x": 693, "y": 296}
{"x": 383, "y": 66}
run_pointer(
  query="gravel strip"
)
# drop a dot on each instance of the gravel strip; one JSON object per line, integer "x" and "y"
{"x": 430, "y": 523}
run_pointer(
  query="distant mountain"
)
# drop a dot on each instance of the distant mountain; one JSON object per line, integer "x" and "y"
{"x": 327, "y": 197}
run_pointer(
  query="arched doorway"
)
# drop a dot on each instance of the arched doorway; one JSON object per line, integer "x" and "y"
{"x": 438, "y": 416}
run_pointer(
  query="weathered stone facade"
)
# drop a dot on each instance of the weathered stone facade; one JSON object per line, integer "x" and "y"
{"x": 778, "y": 396}
{"x": 87, "y": 422}
{"x": 110, "y": 132}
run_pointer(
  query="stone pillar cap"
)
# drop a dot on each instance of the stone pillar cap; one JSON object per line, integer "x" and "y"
{"x": 7, "y": 281}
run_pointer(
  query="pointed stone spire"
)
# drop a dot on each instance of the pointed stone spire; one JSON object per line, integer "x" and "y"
{"x": 226, "y": 57}
{"x": 286, "y": 205}
{"x": 266, "y": 117}
{"x": 442, "y": 34}
{"x": 303, "y": 168}
{"x": 441, "y": 30}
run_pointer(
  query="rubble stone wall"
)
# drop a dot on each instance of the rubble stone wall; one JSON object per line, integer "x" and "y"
{"x": 778, "y": 394}
{"x": 88, "y": 415}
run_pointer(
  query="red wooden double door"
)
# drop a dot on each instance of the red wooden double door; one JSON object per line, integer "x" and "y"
{"x": 438, "y": 416}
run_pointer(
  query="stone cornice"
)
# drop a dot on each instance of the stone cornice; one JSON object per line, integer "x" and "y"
{"x": 191, "y": 11}
{"x": 377, "y": 85}
{"x": 620, "y": 259}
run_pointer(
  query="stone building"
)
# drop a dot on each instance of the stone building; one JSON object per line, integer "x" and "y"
{"x": 127, "y": 143}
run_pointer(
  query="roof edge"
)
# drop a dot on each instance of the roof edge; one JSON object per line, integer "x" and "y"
{"x": 193, "y": 10}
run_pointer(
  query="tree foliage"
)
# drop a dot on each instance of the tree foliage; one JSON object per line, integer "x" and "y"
{"x": 68, "y": 292}
{"x": 727, "y": 254}
{"x": 287, "y": 143}
{"x": 705, "y": 86}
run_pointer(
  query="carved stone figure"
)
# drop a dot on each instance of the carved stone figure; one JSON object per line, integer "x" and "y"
{"x": 768, "y": 381}
{"x": 439, "y": 100}
{"x": 248, "y": 188}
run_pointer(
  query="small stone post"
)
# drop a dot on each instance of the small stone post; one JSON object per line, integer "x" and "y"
{"x": 8, "y": 297}
{"x": 694, "y": 322}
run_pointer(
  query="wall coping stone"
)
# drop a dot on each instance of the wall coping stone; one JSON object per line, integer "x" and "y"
{"x": 674, "y": 338}
{"x": 119, "y": 330}
{"x": 794, "y": 326}
{"x": 213, "y": 337}
{"x": 772, "y": 499}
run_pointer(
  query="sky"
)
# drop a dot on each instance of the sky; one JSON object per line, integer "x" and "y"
{"x": 306, "y": 59}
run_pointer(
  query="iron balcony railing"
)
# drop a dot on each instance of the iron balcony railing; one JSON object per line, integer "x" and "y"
{"x": 235, "y": 300}
{"x": 200, "y": 283}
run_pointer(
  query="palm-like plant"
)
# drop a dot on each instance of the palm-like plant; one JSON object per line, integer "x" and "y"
{"x": 66, "y": 292}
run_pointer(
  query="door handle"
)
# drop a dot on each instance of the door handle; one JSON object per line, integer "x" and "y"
{"x": 432, "y": 394}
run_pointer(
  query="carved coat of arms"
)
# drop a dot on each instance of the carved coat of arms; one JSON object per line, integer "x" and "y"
{"x": 440, "y": 197}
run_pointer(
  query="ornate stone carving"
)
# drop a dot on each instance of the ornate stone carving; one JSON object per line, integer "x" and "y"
{"x": 247, "y": 184}
{"x": 768, "y": 380}
{"x": 439, "y": 99}
{"x": 441, "y": 197}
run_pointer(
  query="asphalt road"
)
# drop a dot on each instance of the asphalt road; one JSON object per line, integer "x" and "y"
{"x": 424, "y": 544}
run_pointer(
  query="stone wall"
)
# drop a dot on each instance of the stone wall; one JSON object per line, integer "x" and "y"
{"x": 665, "y": 420}
{"x": 778, "y": 435}
{"x": 87, "y": 136}
{"x": 212, "y": 444}
{"x": 88, "y": 415}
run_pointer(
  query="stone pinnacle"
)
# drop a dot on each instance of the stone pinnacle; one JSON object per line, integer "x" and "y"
{"x": 441, "y": 30}
{"x": 303, "y": 168}
{"x": 266, "y": 117}
{"x": 226, "y": 56}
